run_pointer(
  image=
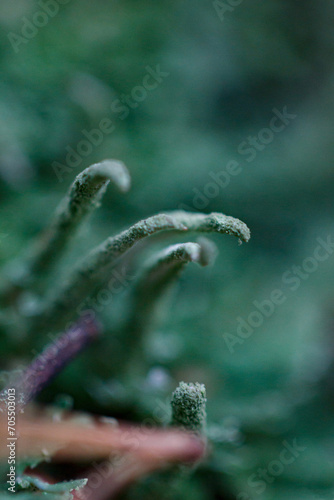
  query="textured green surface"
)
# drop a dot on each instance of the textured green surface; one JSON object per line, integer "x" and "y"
{"x": 225, "y": 77}
{"x": 188, "y": 407}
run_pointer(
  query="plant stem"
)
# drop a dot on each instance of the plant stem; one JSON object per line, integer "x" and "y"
{"x": 51, "y": 361}
{"x": 84, "y": 196}
{"x": 159, "y": 275}
{"x": 86, "y": 276}
{"x": 213, "y": 223}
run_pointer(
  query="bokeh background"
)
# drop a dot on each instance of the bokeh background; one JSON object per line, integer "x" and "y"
{"x": 225, "y": 69}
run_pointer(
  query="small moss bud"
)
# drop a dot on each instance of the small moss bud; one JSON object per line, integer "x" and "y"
{"x": 189, "y": 407}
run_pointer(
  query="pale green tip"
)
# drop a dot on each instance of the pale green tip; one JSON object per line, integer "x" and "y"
{"x": 189, "y": 407}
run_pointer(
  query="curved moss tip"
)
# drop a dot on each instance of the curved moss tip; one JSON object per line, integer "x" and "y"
{"x": 106, "y": 170}
{"x": 189, "y": 407}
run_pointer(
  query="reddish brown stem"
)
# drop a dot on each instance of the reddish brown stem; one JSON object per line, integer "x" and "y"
{"x": 76, "y": 442}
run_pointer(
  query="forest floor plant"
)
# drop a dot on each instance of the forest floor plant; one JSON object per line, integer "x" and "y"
{"x": 33, "y": 310}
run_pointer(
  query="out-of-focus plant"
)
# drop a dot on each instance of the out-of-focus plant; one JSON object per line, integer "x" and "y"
{"x": 34, "y": 307}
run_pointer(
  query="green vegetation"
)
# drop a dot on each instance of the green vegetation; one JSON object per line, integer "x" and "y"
{"x": 214, "y": 108}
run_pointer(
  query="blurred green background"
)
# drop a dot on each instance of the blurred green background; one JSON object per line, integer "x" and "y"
{"x": 225, "y": 68}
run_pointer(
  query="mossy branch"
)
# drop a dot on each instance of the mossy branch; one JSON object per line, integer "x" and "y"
{"x": 166, "y": 266}
{"x": 213, "y": 223}
{"x": 160, "y": 273}
{"x": 85, "y": 277}
{"x": 94, "y": 269}
{"x": 84, "y": 196}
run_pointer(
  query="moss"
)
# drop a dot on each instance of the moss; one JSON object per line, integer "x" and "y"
{"x": 189, "y": 407}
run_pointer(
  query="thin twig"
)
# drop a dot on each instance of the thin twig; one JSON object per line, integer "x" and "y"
{"x": 51, "y": 361}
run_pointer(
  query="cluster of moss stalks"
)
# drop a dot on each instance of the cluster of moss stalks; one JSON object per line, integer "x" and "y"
{"x": 55, "y": 309}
